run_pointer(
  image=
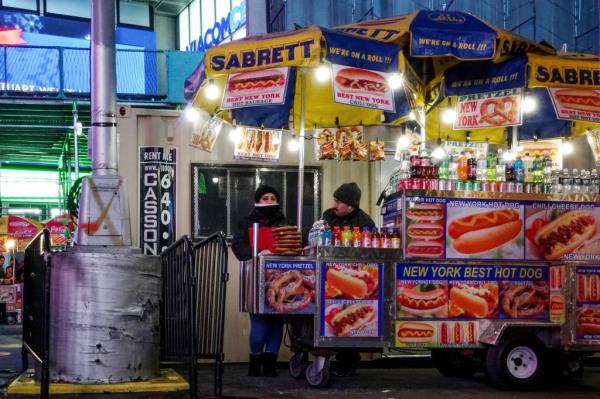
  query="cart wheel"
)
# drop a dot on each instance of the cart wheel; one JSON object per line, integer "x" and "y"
{"x": 297, "y": 366}
{"x": 452, "y": 364}
{"x": 318, "y": 378}
{"x": 11, "y": 320}
{"x": 517, "y": 363}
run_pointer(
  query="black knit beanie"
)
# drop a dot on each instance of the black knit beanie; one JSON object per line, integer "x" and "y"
{"x": 262, "y": 190}
{"x": 349, "y": 194}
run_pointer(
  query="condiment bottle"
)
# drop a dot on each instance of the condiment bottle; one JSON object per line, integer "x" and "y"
{"x": 366, "y": 237}
{"x": 386, "y": 240}
{"x": 356, "y": 237}
{"x": 337, "y": 236}
{"x": 376, "y": 239}
{"x": 327, "y": 236}
{"x": 395, "y": 238}
{"x": 346, "y": 237}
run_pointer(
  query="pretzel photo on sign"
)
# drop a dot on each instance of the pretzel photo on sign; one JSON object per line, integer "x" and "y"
{"x": 498, "y": 111}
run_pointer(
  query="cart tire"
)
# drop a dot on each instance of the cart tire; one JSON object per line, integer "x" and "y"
{"x": 450, "y": 363}
{"x": 11, "y": 320}
{"x": 318, "y": 379}
{"x": 298, "y": 364}
{"x": 517, "y": 363}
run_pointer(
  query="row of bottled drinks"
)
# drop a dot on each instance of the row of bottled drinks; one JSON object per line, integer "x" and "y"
{"x": 493, "y": 173}
{"x": 367, "y": 237}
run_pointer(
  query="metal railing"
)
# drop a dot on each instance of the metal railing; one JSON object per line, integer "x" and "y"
{"x": 36, "y": 307}
{"x": 193, "y": 307}
{"x": 64, "y": 73}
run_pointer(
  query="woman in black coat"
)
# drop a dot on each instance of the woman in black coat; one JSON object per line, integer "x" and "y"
{"x": 266, "y": 331}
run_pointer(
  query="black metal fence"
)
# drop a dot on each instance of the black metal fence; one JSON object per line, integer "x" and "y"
{"x": 36, "y": 307}
{"x": 193, "y": 308}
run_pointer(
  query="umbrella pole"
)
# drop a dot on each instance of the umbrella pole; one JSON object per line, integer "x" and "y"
{"x": 301, "y": 147}
{"x": 514, "y": 140}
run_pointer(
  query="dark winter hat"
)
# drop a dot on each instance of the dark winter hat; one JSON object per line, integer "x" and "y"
{"x": 348, "y": 193}
{"x": 264, "y": 189}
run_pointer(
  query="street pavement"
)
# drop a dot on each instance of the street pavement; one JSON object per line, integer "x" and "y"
{"x": 399, "y": 378}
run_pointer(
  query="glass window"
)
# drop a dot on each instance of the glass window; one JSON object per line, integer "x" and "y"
{"x": 195, "y": 28}
{"x": 134, "y": 14}
{"x": 22, "y": 4}
{"x": 223, "y": 8}
{"x": 208, "y": 16}
{"x": 74, "y": 8}
{"x": 224, "y": 195}
{"x": 184, "y": 29}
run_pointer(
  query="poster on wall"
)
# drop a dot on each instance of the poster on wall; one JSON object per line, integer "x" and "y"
{"x": 362, "y": 88}
{"x": 576, "y": 104}
{"x": 255, "y": 88}
{"x": 157, "y": 198}
{"x": 258, "y": 144}
{"x": 352, "y": 299}
{"x": 205, "y": 133}
{"x": 493, "y": 109}
{"x": 541, "y": 148}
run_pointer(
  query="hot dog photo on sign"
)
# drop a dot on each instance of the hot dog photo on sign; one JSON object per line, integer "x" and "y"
{"x": 524, "y": 300}
{"x": 358, "y": 319}
{"x": 470, "y": 299}
{"x": 425, "y": 230}
{"x": 492, "y": 230}
{"x": 557, "y": 232}
{"x": 347, "y": 282}
{"x": 422, "y": 299}
{"x": 587, "y": 298}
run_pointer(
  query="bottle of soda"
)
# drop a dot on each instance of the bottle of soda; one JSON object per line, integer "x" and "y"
{"x": 538, "y": 170}
{"x": 500, "y": 166}
{"x": 327, "y": 236}
{"x": 510, "y": 171}
{"x": 471, "y": 167}
{"x": 481, "y": 166}
{"x": 346, "y": 237}
{"x": 444, "y": 168}
{"x": 463, "y": 167}
{"x": 519, "y": 170}
{"x": 490, "y": 172}
{"x": 386, "y": 240}
{"x": 594, "y": 182}
{"x": 576, "y": 182}
{"x": 567, "y": 182}
{"x": 356, "y": 237}
{"x": 585, "y": 182}
{"x": 415, "y": 165}
{"x": 555, "y": 181}
{"x": 396, "y": 238}
{"x": 337, "y": 236}
{"x": 528, "y": 167}
{"x": 453, "y": 167}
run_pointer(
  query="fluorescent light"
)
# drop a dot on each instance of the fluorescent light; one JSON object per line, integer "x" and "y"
{"x": 567, "y": 147}
{"x": 192, "y": 114}
{"x": 293, "y": 144}
{"x": 215, "y": 180}
{"x": 448, "y": 115}
{"x": 235, "y": 134}
{"x": 438, "y": 153}
{"x": 212, "y": 91}
{"x": 529, "y": 104}
{"x": 403, "y": 142}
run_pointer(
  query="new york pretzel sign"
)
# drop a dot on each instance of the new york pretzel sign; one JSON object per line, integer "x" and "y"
{"x": 492, "y": 109}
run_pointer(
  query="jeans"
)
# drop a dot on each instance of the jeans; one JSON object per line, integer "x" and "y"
{"x": 266, "y": 332}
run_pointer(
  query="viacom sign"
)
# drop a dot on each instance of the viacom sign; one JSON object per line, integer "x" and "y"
{"x": 221, "y": 30}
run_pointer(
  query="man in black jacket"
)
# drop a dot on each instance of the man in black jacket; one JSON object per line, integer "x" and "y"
{"x": 346, "y": 208}
{"x": 346, "y": 212}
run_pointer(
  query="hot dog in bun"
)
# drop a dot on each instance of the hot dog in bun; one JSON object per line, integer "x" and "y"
{"x": 593, "y": 287}
{"x": 557, "y": 305}
{"x": 583, "y": 100}
{"x": 421, "y": 303}
{"x": 255, "y": 81}
{"x": 588, "y": 321}
{"x": 425, "y": 212}
{"x": 565, "y": 233}
{"x": 354, "y": 317}
{"x": 471, "y": 301}
{"x": 425, "y": 249}
{"x": 354, "y": 80}
{"x": 484, "y": 231}
{"x": 582, "y": 289}
{"x": 425, "y": 231}
{"x": 410, "y": 332}
{"x": 354, "y": 284}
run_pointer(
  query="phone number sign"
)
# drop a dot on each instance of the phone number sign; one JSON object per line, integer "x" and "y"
{"x": 157, "y": 215}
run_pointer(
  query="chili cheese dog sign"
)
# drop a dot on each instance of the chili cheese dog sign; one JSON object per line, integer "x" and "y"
{"x": 587, "y": 322}
{"x": 493, "y": 109}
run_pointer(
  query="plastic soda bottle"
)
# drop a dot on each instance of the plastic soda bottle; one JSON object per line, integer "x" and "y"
{"x": 519, "y": 170}
{"x": 395, "y": 238}
{"x": 376, "y": 239}
{"x": 337, "y": 236}
{"x": 463, "y": 167}
{"x": 346, "y": 237}
{"x": 490, "y": 172}
{"x": 356, "y": 237}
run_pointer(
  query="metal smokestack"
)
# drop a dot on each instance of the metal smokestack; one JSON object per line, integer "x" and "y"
{"x": 103, "y": 86}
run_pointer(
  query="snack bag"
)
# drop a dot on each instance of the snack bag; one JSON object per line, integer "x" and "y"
{"x": 345, "y": 141}
{"x": 361, "y": 152}
{"x": 325, "y": 146}
{"x": 206, "y": 133}
{"x": 376, "y": 151}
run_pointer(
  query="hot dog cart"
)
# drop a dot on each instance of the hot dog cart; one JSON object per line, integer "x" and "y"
{"x": 507, "y": 281}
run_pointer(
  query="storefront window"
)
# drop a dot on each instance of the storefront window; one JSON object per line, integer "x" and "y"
{"x": 224, "y": 195}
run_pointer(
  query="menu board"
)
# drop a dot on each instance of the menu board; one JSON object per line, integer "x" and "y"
{"x": 496, "y": 229}
{"x": 430, "y": 292}
{"x": 587, "y": 304}
{"x": 362, "y": 88}
{"x": 255, "y": 88}
{"x": 289, "y": 287}
{"x": 352, "y": 299}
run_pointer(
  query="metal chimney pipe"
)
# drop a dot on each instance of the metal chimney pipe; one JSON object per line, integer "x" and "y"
{"x": 103, "y": 143}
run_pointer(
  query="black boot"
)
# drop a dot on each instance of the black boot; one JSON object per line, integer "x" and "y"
{"x": 254, "y": 369}
{"x": 270, "y": 364}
